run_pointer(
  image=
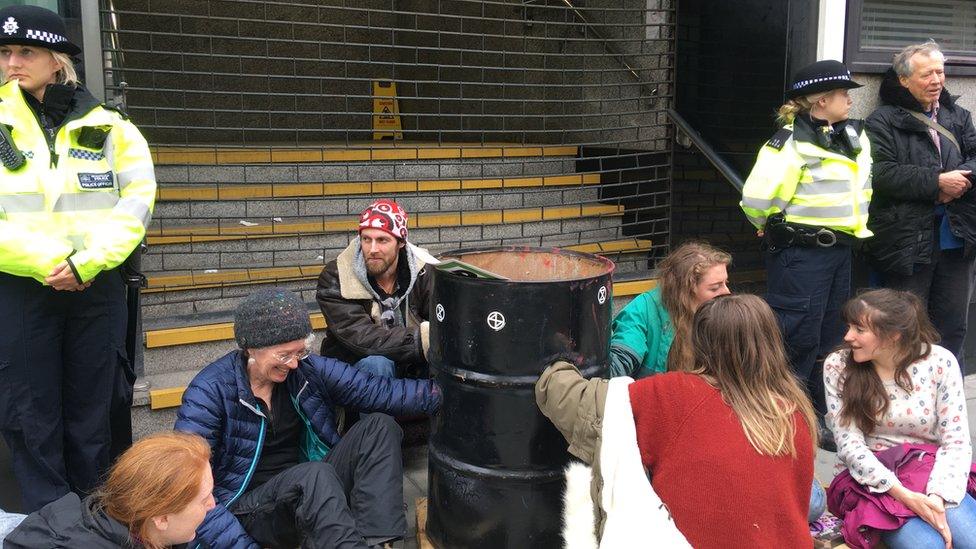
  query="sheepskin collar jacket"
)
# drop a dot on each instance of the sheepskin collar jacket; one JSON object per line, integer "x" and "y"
{"x": 354, "y": 312}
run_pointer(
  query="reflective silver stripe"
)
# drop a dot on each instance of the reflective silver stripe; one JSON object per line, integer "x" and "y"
{"x": 756, "y": 220}
{"x": 869, "y": 183}
{"x": 74, "y": 202}
{"x": 863, "y": 206}
{"x": 77, "y": 241}
{"x": 128, "y": 176}
{"x": 763, "y": 203}
{"x": 22, "y": 203}
{"x": 814, "y": 165}
{"x": 820, "y": 211}
{"x": 823, "y": 186}
{"x": 135, "y": 208}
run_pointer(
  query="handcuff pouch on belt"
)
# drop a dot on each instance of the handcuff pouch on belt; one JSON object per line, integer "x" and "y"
{"x": 781, "y": 235}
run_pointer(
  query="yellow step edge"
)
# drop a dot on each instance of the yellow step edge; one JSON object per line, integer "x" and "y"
{"x": 168, "y": 337}
{"x": 231, "y": 231}
{"x": 164, "y": 155}
{"x": 232, "y": 277}
{"x": 212, "y": 191}
{"x": 169, "y": 397}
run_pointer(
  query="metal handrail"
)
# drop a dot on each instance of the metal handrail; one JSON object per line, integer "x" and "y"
{"x": 590, "y": 27}
{"x": 115, "y": 51}
{"x": 719, "y": 163}
{"x": 606, "y": 43}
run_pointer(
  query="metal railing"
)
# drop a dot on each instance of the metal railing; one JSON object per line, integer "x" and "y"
{"x": 714, "y": 158}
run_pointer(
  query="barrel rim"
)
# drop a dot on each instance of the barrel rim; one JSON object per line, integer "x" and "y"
{"x": 611, "y": 266}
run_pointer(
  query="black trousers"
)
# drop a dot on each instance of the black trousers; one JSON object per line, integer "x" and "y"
{"x": 60, "y": 353}
{"x": 354, "y": 494}
{"x": 945, "y": 285}
{"x": 807, "y": 288}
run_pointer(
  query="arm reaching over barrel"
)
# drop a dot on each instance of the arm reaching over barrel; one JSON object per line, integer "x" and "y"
{"x": 574, "y": 405}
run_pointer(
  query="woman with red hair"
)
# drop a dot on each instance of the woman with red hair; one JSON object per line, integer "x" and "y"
{"x": 155, "y": 496}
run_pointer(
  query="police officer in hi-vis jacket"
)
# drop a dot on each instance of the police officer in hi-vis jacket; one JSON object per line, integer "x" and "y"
{"x": 808, "y": 195}
{"x": 76, "y": 194}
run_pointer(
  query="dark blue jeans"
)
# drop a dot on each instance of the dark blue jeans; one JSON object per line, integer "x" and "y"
{"x": 945, "y": 285}
{"x": 807, "y": 288}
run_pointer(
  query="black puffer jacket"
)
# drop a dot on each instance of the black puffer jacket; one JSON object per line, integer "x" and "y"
{"x": 906, "y": 178}
{"x": 352, "y": 316}
{"x": 71, "y": 523}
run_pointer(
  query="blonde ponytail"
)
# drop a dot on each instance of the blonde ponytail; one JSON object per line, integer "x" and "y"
{"x": 788, "y": 111}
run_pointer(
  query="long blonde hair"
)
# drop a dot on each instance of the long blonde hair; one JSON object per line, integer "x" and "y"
{"x": 158, "y": 475}
{"x": 680, "y": 272}
{"x": 738, "y": 348}
{"x": 65, "y": 75}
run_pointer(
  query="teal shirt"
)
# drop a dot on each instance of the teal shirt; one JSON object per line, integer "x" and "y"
{"x": 642, "y": 336}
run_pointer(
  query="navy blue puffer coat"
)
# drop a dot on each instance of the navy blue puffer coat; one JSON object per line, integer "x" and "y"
{"x": 219, "y": 406}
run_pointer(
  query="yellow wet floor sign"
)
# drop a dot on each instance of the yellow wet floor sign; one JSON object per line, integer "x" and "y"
{"x": 386, "y": 111}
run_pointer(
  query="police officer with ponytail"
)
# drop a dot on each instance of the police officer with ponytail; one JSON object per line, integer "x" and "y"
{"x": 76, "y": 194}
{"x": 808, "y": 196}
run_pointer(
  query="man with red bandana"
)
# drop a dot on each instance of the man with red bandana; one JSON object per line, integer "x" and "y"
{"x": 923, "y": 210}
{"x": 375, "y": 297}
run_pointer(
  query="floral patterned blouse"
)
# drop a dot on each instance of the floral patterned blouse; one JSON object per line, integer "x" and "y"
{"x": 934, "y": 412}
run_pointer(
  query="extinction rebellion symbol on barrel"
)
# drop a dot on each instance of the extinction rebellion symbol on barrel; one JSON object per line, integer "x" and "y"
{"x": 439, "y": 311}
{"x": 601, "y": 295}
{"x": 496, "y": 320}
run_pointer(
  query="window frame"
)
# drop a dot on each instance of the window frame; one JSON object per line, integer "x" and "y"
{"x": 873, "y": 60}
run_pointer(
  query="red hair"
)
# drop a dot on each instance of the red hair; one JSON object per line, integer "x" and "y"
{"x": 159, "y": 475}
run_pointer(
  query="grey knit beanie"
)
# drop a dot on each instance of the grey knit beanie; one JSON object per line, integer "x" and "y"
{"x": 270, "y": 317}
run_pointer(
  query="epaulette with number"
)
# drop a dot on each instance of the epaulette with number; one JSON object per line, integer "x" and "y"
{"x": 779, "y": 139}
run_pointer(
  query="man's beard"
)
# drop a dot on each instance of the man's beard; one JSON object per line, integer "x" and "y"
{"x": 377, "y": 266}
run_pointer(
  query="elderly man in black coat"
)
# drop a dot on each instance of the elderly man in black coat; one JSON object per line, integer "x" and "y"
{"x": 923, "y": 212}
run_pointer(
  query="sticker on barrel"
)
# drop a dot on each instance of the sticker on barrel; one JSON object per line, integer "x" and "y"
{"x": 496, "y": 320}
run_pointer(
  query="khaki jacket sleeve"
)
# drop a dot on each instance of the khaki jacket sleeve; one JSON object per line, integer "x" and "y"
{"x": 574, "y": 405}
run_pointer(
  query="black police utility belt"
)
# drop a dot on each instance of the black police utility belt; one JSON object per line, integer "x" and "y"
{"x": 780, "y": 234}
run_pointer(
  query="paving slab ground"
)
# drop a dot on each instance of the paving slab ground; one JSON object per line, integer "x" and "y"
{"x": 415, "y": 472}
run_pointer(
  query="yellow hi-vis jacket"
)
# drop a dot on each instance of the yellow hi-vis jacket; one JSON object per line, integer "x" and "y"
{"x": 92, "y": 201}
{"x": 810, "y": 185}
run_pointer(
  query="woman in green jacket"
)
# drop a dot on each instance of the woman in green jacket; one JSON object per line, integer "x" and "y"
{"x": 644, "y": 331}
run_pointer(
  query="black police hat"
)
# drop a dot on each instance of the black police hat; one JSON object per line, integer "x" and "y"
{"x": 35, "y": 26}
{"x": 819, "y": 77}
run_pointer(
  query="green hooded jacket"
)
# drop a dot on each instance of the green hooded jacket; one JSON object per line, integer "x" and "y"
{"x": 642, "y": 336}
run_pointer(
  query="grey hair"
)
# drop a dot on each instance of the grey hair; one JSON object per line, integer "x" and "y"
{"x": 903, "y": 59}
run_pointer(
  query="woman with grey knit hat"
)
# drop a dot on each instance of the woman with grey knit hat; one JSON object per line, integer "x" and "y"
{"x": 283, "y": 476}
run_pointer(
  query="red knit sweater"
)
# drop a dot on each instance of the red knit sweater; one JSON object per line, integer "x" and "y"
{"x": 720, "y": 491}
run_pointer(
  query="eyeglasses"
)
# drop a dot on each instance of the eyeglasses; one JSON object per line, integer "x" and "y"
{"x": 285, "y": 358}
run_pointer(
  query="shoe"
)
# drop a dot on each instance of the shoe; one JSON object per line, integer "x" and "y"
{"x": 827, "y": 441}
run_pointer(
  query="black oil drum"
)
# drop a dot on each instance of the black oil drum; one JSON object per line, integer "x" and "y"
{"x": 495, "y": 462}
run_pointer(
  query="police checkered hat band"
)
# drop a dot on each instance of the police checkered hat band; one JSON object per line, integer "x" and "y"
{"x": 35, "y": 26}
{"x": 45, "y": 36}
{"x": 822, "y": 76}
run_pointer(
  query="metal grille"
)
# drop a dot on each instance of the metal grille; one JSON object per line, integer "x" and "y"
{"x": 571, "y": 95}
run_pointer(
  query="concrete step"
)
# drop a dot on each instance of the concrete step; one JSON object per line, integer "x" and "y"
{"x": 283, "y": 185}
{"x": 208, "y": 278}
{"x": 206, "y": 291}
{"x": 364, "y": 151}
{"x": 444, "y": 232}
{"x": 192, "y": 231}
